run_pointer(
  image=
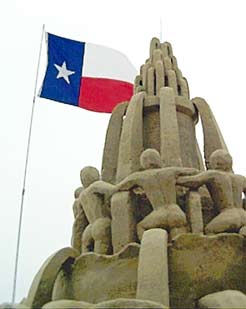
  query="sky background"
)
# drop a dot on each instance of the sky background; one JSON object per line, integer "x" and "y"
{"x": 209, "y": 41}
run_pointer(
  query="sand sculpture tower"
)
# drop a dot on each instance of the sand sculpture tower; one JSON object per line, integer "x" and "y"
{"x": 162, "y": 227}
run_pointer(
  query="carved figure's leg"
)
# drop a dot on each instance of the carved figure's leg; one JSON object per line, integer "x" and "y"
{"x": 176, "y": 217}
{"x": 79, "y": 226}
{"x": 166, "y": 218}
{"x": 156, "y": 219}
{"x": 76, "y": 236}
{"x": 228, "y": 220}
{"x": 194, "y": 212}
{"x": 123, "y": 220}
{"x": 87, "y": 240}
{"x": 101, "y": 233}
{"x": 141, "y": 228}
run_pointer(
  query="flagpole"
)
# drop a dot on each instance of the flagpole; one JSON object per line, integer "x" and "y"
{"x": 160, "y": 29}
{"x": 25, "y": 172}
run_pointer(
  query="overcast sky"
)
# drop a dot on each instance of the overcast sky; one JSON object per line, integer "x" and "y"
{"x": 209, "y": 41}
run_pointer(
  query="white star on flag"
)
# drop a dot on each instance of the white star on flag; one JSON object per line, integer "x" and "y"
{"x": 63, "y": 72}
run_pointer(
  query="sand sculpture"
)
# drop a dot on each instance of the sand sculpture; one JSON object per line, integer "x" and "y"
{"x": 161, "y": 227}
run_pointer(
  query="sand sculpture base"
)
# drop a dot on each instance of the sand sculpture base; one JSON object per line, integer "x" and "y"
{"x": 197, "y": 266}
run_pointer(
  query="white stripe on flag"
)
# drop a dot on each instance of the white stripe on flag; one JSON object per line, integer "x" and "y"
{"x": 101, "y": 61}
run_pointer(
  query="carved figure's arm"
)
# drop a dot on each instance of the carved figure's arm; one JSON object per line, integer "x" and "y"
{"x": 129, "y": 182}
{"x": 107, "y": 189}
{"x": 187, "y": 171}
{"x": 102, "y": 187}
{"x": 196, "y": 181}
{"x": 79, "y": 225}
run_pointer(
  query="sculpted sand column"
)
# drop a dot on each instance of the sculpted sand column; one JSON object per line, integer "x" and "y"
{"x": 213, "y": 138}
{"x": 166, "y": 124}
{"x": 112, "y": 143}
{"x": 153, "y": 267}
{"x": 130, "y": 148}
{"x": 194, "y": 212}
{"x": 170, "y": 143}
{"x": 131, "y": 142}
{"x": 200, "y": 158}
{"x": 123, "y": 220}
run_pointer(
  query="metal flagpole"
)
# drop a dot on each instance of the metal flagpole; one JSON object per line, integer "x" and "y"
{"x": 25, "y": 172}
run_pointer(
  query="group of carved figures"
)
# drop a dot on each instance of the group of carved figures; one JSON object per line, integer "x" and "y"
{"x": 92, "y": 206}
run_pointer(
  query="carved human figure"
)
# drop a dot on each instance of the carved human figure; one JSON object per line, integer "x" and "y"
{"x": 226, "y": 190}
{"x": 159, "y": 184}
{"x": 80, "y": 221}
{"x": 95, "y": 202}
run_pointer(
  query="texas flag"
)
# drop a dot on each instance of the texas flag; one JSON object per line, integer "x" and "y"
{"x": 86, "y": 75}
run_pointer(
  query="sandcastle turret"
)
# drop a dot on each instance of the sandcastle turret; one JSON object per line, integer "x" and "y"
{"x": 160, "y": 115}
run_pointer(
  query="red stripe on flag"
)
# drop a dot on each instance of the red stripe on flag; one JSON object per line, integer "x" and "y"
{"x": 102, "y": 94}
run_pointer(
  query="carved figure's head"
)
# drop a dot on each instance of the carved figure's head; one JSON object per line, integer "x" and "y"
{"x": 88, "y": 175}
{"x": 150, "y": 158}
{"x": 220, "y": 160}
{"x": 77, "y": 192}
